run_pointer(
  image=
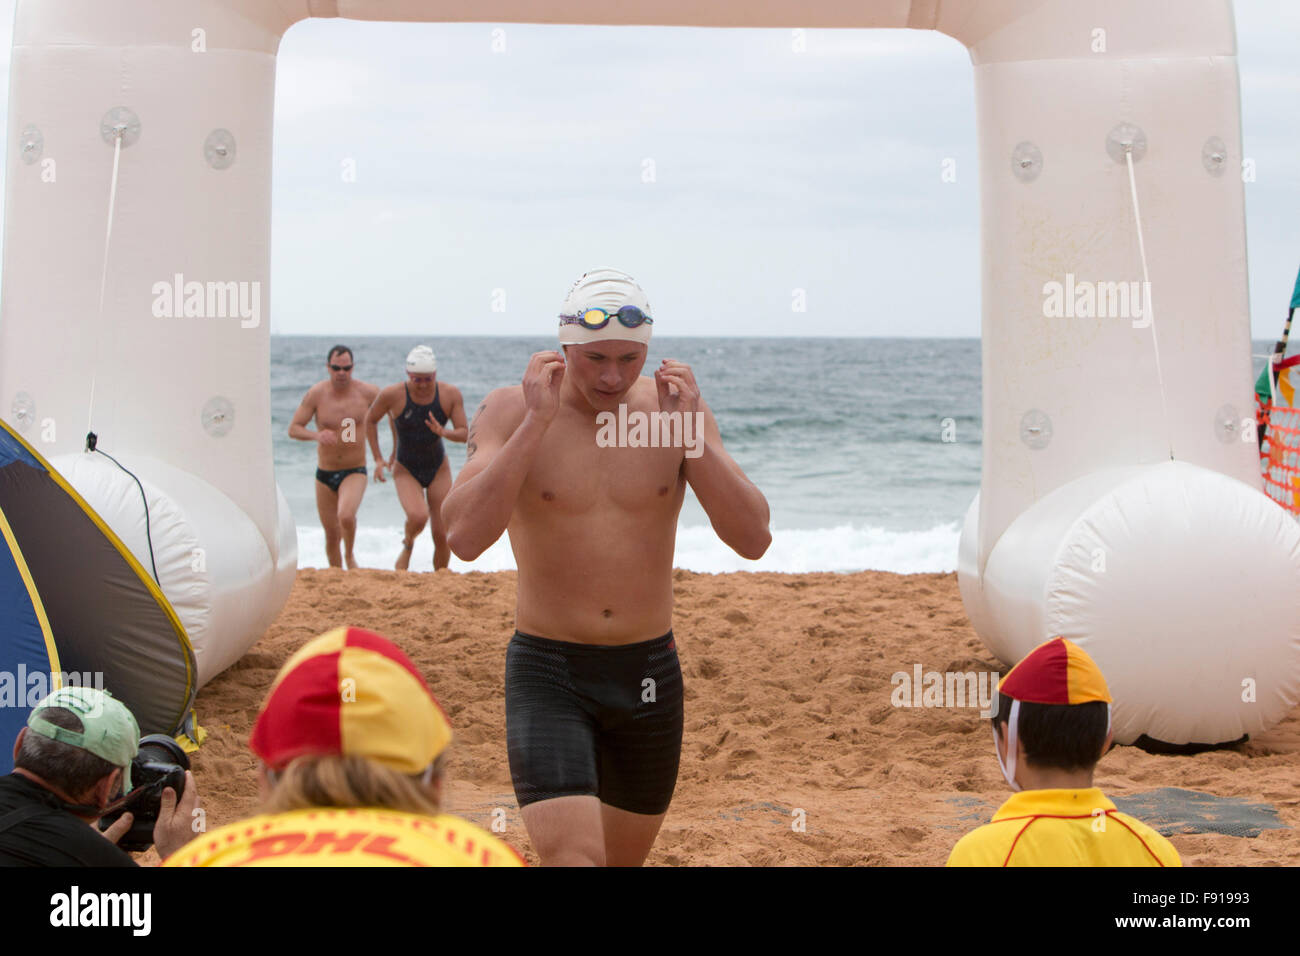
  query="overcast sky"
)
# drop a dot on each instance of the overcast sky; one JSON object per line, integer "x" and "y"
{"x": 479, "y": 171}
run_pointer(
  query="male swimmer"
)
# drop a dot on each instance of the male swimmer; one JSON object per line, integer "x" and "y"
{"x": 593, "y": 684}
{"x": 419, "y": 408}
{"x": 339, "y": 405}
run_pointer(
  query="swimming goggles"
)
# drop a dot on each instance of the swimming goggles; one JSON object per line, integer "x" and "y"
{"x": 630, "y": 316}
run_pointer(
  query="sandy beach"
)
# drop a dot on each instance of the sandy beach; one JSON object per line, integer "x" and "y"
{"x": 788, "y": 709}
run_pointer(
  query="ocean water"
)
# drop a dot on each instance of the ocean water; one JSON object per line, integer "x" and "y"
{"x": 843, "y": 436}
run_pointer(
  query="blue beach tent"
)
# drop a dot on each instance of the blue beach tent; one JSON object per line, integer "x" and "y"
{"x": 77, "y": 607}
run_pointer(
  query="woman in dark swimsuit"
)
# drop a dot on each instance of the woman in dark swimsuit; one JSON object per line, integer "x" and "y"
{"x": 421, "y": 408}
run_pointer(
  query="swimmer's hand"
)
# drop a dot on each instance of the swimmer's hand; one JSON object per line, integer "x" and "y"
{"x": 327, "y": 436}
{"x": 379, "y": 470}
{"x": 435, "y": 427}
{"x": 542, "y": 381}
{"x": 677, "y": 389}
{"x": 177, "y": 824}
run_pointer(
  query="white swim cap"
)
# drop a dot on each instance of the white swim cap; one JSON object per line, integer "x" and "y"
{"x": 421, "y": 361}
{"x": 609, "y": 290}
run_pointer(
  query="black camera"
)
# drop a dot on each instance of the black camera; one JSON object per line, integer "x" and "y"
{"x": 160, "y": 763}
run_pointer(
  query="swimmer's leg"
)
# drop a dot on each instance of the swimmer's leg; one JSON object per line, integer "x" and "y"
{"x": 551, "y": 746}
{"x": 327, "y": 506}
{"x": 350, "y": 492}
{"x": 437, "y": 494}
{"x": 628, "y": 836}
{"x": 411, "y": 495}
{"x": 566, "y": 831}
{"x": 640, "y": 746}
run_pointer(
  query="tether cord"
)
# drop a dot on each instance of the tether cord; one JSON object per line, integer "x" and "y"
{"x": 103, "y": 276}
{"x": 148, "y": 535}
{"x": 91, "y": 438}
{"x": 1146, "y": 286}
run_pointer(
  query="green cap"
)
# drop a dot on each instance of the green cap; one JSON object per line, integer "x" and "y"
{"x": 109, "y": 730}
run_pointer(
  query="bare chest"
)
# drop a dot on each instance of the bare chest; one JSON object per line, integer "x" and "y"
{"x": 336, "y": 411}
{"x": 573, "y": 473}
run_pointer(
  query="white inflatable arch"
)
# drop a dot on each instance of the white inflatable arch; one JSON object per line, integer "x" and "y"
{"x": 1119, "y": 505}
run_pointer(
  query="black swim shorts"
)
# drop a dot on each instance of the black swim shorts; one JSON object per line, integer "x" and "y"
{"x": 333, "y": 479}
{"x": 584, "y": 719}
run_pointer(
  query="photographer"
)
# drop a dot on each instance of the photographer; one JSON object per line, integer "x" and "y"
{"x": 72, "y": 763}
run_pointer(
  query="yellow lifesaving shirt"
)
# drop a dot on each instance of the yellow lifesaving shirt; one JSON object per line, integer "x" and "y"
{"x": 1063, "y": 828}
{"x": 347, "y": 837}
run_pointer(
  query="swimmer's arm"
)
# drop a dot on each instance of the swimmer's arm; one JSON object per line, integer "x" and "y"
{"x": 736, "y": 508}
{"x": 305, "y": 413}
{"x": 498, "y": 457}
{"x": 460, "y": 431}
{"x": 392, "y": 434}
{"x": 378, "y": 409}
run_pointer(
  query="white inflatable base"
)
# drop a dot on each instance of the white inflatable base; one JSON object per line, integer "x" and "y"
{"x": 213, "y": 564}
{"x": 1183, "y": 584}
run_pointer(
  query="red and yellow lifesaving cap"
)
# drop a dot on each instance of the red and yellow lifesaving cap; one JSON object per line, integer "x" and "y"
{"x": 1057, "y": 672}
{"x": 351, "y": 692}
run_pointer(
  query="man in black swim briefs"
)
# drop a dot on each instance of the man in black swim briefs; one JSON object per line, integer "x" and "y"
{"x": 339, "y": 405}
{"x": 593, "y": 685}
{"x": 419, "y": 411}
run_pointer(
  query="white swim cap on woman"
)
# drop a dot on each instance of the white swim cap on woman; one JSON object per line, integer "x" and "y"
{"x": 606, "y": 289}
{"x": 421, "y": 361}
